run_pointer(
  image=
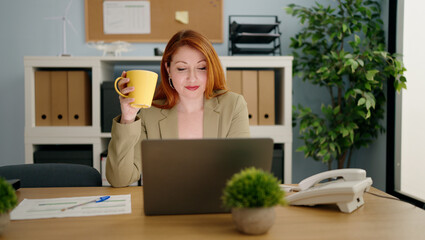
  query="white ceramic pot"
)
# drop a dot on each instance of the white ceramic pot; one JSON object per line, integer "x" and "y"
{"x": 4, "y": 221}
{"x": 253, "y": 221}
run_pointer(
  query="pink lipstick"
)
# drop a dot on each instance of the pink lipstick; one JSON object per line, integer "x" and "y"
{"x": 192, "y": 88}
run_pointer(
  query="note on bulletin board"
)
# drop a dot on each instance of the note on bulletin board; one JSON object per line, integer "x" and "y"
{"x": 152, "y": 21}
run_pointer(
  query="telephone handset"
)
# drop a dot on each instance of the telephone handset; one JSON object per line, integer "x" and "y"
{"x": 346, "y": 191}
{"x": 346, "y": 174}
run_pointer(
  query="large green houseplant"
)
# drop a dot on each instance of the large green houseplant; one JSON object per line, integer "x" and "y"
{"x": 342, "y": 48}
{"x": 252, "y": 195}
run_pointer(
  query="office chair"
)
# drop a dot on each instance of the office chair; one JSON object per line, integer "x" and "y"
{"x": 52, "y": 175}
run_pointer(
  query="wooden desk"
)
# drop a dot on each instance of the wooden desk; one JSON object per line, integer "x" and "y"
{"x": 379, "y": 218}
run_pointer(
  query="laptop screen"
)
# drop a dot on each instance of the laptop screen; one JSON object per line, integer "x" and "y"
{"x": 188, "y": 176}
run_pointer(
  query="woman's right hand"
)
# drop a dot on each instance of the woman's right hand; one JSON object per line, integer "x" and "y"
{"x": 128, "y": 113}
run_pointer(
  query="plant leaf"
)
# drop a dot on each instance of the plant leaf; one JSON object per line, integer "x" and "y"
{"x": 357, "y": 39}
{"x": 371, "y": 74}
{"x": 361, "y": 101}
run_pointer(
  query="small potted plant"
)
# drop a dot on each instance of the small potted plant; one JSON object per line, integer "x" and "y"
{"x": 8, "y": 201}
{"x": 252, "y": 195}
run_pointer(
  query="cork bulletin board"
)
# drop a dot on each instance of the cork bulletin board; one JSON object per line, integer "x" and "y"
{"x": 204, "y": 16}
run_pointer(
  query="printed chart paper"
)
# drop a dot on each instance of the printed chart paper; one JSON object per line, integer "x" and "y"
{"x": 126, "y": 17}
{"x": 52, "y": 207}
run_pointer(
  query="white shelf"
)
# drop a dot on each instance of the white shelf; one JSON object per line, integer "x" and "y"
{"x": 102, "y": 70}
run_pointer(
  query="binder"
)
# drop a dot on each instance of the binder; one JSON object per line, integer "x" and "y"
{"x": 79, "y": 99}
{"x": 250, "y": 92}
{"x": 103, "y": 157}
{"x": 110, "y": 106}
{"x": 266, "y": 104}
{"x": 59, "y": 100}
{"x": 234, "y": 80}
{"x": 43, "y": 111}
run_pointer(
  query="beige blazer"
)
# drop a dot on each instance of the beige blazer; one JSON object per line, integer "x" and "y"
{"x": 225, "y": 116}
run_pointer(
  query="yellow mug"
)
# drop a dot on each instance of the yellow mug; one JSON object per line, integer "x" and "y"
{"x": 144, "y": 83}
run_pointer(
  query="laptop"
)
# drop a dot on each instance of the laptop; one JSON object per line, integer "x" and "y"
{"x": 188, "y": 176}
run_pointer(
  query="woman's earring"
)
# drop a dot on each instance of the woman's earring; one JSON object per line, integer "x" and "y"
{"x": 170, "y": 81}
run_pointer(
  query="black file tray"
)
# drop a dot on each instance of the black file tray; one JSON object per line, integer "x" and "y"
{"x": 253, "y": 28}
{"x": 238, "y": 50}
{"x": 254, "y": 38}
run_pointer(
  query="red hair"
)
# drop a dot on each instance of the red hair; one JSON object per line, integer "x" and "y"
{"x": 215, "y": 73}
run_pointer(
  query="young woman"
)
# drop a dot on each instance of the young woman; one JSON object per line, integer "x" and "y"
{"x": 192, "y": 101}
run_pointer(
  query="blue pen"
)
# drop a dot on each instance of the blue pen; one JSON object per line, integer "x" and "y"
{"x": 98, "y": 200}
